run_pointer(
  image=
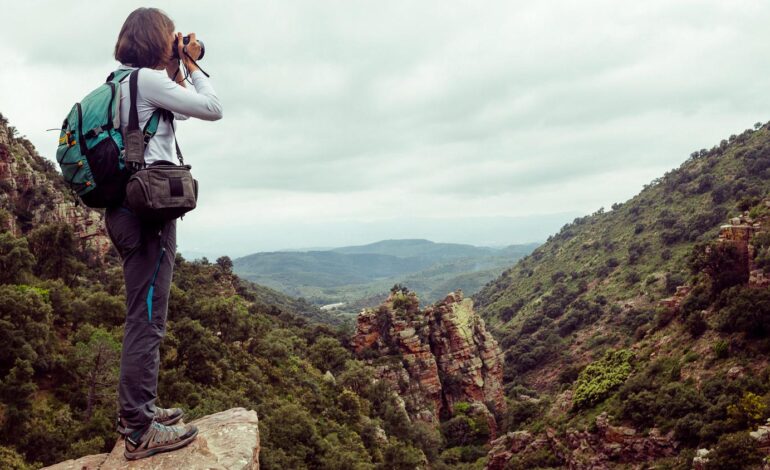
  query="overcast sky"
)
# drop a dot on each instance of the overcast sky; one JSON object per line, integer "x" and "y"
{"x": 348, "y": 122}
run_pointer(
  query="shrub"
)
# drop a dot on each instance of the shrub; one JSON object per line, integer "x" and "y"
{"x": 673, "y": 280}
{"x": 698, "y": 300}
{"x": 696, "y": 325}
{"x": 745, "y": 309}
{"x": 636, "y": 251}
{"x": 671, "y": 236}
{"x": 687, "y": 429}
{"x": 737, "y": 450}
{"x": 12, "y": 460}
{"x": 541, "y": 458}
{"x": 749, "y": 411}
{"x": 598, "y": 379}
{"x": 723, "y": 264}
{"x": 519, "y": 413}
{"x": 721, "y": 349}
{"x": 632, "y": 277}
{"x": 15, "y": 258}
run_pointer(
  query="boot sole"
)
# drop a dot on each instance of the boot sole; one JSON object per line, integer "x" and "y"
{"x": 157, "y": 450}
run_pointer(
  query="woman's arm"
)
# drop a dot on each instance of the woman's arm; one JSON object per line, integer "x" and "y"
{"x": 173, "y": 95}
{"x": 160, "y": 91}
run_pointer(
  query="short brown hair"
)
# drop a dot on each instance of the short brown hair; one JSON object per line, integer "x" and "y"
{"x": 144, "y": 39}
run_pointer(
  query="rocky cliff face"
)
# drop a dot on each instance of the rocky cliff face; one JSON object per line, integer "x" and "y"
{"x": 433, "y": 358}
{"x": 32, "y": 195}
{"x": 228, "y": 441}
{"x": 603, "y": 448}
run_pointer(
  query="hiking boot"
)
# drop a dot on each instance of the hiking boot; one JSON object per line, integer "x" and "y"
{"x": 158, "y": 438}
{"x": 167, "y": 416}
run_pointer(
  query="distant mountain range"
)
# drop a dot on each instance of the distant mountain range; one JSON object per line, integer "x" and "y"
{"x": 351, "y": 273}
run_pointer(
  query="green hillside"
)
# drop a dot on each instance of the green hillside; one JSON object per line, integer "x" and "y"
{"x": 349, "y": 274}
{"x": 596, "y": 286}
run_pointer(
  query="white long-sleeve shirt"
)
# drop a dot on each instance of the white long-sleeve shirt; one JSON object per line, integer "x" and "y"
{"x": 156, "y": 90}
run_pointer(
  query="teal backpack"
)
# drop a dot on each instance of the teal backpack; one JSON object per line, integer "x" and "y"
{"x": 91, "y": 150}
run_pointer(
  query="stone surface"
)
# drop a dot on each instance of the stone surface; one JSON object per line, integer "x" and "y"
{"x": 228, "y": 441}
{"x": 433, "y": 358}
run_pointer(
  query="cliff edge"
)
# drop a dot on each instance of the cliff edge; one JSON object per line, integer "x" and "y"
{"x": 227, "y": 440}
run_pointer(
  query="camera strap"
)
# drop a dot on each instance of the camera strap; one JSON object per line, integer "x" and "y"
{"x": 184, "y": 49}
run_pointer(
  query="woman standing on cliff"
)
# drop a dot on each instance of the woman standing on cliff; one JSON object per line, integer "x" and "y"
{"x": 148, "y": 250}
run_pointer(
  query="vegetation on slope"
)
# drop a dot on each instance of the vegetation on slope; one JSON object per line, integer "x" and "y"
{"x": 595, "y": 288}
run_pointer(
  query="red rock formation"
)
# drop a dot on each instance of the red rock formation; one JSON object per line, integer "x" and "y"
{"x": 579, "y": 450}
{"x": 433, "y": 358}
{"x": 739, "y": 233}
{"x": 21, "y": 178}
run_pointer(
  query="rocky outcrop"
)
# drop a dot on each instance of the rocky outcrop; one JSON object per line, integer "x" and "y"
{"x": 31, "y": 195}
{"x": 226, "y": 441}
{"x": 433, "y": 358}
{"x": 603, "y": 448}
{"x": 740, "y": 232}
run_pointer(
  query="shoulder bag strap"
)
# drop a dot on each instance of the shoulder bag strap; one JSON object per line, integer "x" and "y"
{"x": 134, "y": 138}
{"x": 176, "y": 142}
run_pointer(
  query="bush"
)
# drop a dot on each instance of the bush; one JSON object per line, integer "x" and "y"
{"x": 721, "y": 349}
{"x": 745, "y": 309}
{"x": 599, "y": 378}
{"x": 541, "y": 458}
{"x": 723, "y": 263}
{"x": 696, "y": 325}
{"x": 749, "y": 411}
{"x": 698, "y": 300}
{"x": 737, "y": 450}
{"x": 12, "y": 460}
{"x": 15, "y": 259}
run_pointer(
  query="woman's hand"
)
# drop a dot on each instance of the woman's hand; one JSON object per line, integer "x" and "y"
{"x": 193, "y": 50}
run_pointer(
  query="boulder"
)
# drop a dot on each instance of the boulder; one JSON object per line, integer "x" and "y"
{"x": 226, "y": 441}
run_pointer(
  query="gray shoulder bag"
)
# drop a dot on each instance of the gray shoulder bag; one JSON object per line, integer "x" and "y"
{"x": 162, "y": 190}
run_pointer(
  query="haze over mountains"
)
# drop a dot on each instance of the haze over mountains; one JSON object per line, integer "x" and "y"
{"x": 352, "y": 273}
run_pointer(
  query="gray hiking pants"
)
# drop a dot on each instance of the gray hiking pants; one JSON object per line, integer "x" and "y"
{"x": 148, "y": 263}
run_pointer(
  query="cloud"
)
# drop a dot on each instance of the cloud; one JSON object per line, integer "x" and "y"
{"x": 363, "y": 111}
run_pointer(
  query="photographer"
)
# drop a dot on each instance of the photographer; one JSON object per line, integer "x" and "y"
{"x": 147, "y": 41}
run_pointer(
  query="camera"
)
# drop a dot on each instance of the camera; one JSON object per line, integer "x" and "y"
{"x": 186, "y": 41}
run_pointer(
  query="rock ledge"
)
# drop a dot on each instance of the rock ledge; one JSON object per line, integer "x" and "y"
{"x": 226, "y": 440}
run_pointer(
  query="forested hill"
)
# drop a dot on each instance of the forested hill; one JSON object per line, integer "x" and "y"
{"x": 228, "y": 344}
{"x": 353, "y": 276}
{"x": 596, "y": 288}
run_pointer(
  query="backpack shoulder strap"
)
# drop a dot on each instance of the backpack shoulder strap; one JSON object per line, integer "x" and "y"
{"x": 133, "y": 115}
{"x": 118, "y": 75}
{"x": 152, "y": 125}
